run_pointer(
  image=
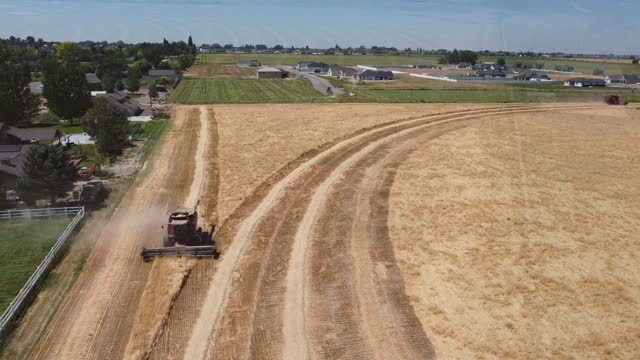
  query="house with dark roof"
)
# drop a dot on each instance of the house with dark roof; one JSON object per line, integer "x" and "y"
{"x": 532, "y": 76}
{"x": 491, "y": 74}
{"x": 348, "y": 73}
{"x": 334, "y": 71}
{"x": 124, "y": 104}
{"x": 375, "y": 75}
{"x": 249, "y": 63}
{"x": 94, "y": 82}
{"x": 584, "y": 82}
{"x": 170, "y": 73}
{"x": 11, "y": 135}
{"x": 32, "y": 135}
{"x": 622, "y": 79}
{"x": 11, "y": 161}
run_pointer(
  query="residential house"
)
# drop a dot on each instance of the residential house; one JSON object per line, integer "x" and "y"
{"x": 119, "y": 102}
{"x": 375, "y": 75}
{"x": 532, "y": 76}
{"x": 334, "y": 71}
{"x": 584, "y": 82}
{"x": 348, "y": 73}
{"x": 94, "y": 82}
{"x": 12, "y": 158}
{"x": 465, "y": 65}
{"x": 269, "y": 72}
{"x": 249, "y": 63}
{"x": 155, "y": 75}
{"x": 491, "y": 74}
{"x": 32, "y": 135}
{"x": 622, "y": 79}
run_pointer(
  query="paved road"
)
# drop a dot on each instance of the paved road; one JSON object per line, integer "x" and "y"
{"x": 317, "y": 82}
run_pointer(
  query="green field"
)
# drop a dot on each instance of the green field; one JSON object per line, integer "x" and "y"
{"x": 484, "y": 96}
{"x": 352, "y": 60}
{"x": 23, "y": 245}
{"x": 233, "y": 91}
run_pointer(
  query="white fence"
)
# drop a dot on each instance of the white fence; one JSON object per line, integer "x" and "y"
{"x": 33, "y": 214}
{"x": 24, "y": 296}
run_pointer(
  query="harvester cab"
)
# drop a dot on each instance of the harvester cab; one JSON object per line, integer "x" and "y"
{"x": 183, "y": 237}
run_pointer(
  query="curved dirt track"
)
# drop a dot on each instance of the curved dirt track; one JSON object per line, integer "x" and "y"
{"x": 286, "y": 286}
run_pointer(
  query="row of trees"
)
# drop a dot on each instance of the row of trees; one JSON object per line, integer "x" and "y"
{"x": 456, "y": 57}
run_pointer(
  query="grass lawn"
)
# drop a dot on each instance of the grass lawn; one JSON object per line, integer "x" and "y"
{"x": 484, "y": 95}
{"x": 67, "y": 128}
{"x": 23, "y": 245}
{"x": 147, "y": 130}
{"x": 90, "y": 151}
{"x": 215, "y": 91}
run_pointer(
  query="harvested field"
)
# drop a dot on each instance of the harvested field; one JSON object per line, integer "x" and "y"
{"x": 308, "y": 266}
{"x": 518, "y": 237}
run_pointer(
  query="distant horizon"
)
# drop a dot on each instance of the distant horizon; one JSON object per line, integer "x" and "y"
{"x": 587, "y": 27}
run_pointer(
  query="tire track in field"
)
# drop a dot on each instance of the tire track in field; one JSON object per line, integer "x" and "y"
{"x": 219, "y": 291}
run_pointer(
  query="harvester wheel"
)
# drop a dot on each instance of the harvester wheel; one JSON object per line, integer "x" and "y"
{"x": 166, "y": 242}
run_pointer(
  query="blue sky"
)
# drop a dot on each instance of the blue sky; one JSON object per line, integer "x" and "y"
{"x": 586, "y": 26}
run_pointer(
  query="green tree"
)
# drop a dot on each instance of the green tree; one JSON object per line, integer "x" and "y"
{"x": 502, "y": 62}
{"x": 47, "y": 172}
{"x": 66, "y": 90}
{"x": 120, "y": 85}
{"x": 133, "y": 82}
{"x": 190, "y": 42}
{"x": 153, "y": 92}
{"x": 109, "y": 127}
{"x": 69, "y": 53}
{"x": 17, "y": 104}
{"x": 110, "y": 66}
{"x": 141, "y": 66}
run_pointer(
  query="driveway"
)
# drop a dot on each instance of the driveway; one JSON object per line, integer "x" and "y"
{"x": 317, "y": 82}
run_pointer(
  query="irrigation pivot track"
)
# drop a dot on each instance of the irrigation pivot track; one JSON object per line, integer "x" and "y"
{"x": 297, "y": 275}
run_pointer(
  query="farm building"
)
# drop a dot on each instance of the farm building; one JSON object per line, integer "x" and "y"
{"x": 269, "y": 72}
{"x": 532, "y": 76}
{"x": 375, "y": 75}
{"x": 622, "y": 79}
{"x": 584, "y": 82}
{"x": 249, "y": 63}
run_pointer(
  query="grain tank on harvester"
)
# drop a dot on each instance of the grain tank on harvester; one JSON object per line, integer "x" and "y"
{"x": 183, "y": 237}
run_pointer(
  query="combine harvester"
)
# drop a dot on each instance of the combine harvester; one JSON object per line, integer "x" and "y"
{"x": 184, "y": 237}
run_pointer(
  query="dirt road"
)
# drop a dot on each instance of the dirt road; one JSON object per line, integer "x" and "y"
{"x": 97, "y": 319}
